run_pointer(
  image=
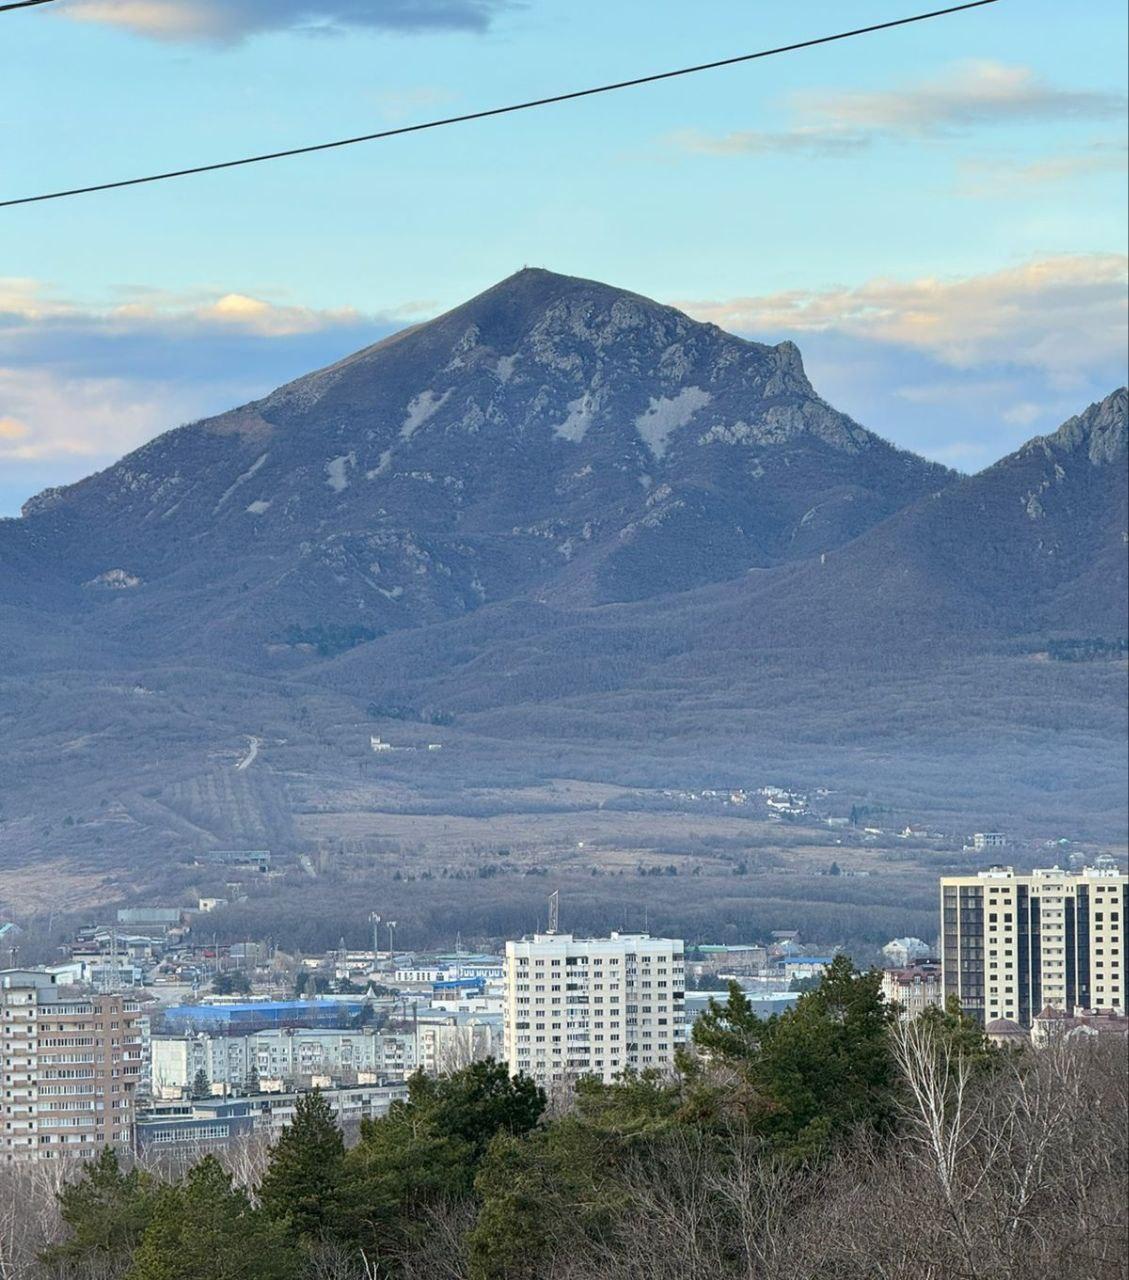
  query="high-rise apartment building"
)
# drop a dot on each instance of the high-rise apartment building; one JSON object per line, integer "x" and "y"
{"x": 592, "y": 1006}
{"x": 1013, "y": 944}
{"x": 69, "y": 1066}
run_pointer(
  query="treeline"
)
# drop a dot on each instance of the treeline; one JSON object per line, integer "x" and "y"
{"x": 829, "y": 1141}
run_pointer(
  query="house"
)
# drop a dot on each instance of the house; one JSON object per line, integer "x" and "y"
{"x": 901, "y": 952}
{"x": 982, "y": 840}
{"x": 1054, "y": 1024}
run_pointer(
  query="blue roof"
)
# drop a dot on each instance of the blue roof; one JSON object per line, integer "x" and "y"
{"x": 262, "y": 1009}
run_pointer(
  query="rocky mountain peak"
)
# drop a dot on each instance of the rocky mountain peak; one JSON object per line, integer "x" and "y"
{"x": 552, "y": 434}
{"x": 1100, "y": 432}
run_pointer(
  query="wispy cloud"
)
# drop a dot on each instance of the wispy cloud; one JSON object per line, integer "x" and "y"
{"x": 228, "y": 20}
{"x": 815, "y": 140}
{"x": 1003, "y": 177}
{"x": 1060, "y": 314}
{"x": 967, "y": 96}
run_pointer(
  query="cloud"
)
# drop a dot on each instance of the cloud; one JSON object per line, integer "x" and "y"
{"x": 229, "y": 20}
{"x": 92, "y": 383}
{"x": 816, "y": 140}
{"x": 12, "y": 428}
{"x": 239, "y": 312}
{"x": 94, "y": 418}
{"x": 1003, "y": 177}
{"x": 968, "y": 95}
{"x": 1059, "y": 314}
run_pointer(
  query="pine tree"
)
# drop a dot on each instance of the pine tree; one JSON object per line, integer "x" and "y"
{"x": 205, "y": 1227}
{"x": 106, "y": 1212}
{"x": 302, "y": 1182}
{"x": 201, "y": 1085}
{"x": 730, "y": 1030}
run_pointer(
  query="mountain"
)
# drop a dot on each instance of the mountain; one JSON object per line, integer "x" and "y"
{"x": 552, "y": 436}
{"x": 588, "y": 538}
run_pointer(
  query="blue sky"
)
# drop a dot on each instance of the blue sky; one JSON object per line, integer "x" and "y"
{"x": 936, "y": 214}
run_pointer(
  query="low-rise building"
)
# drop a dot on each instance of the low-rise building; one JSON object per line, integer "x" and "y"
{"x": 1052, "y": 1024}
{"x": 217, "y": 1122}
{"x": 985, "y": 840}
{"x": 900, "y": 952}
{"x": 914, "y": 988}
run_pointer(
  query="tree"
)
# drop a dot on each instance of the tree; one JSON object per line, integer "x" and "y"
{"x": 815, "y": 1071}
{"x": 426, "y": 1151}
{"x": 303, "y": 1180}
{"x": 106, "y": 1212}
{"x": 204, "y": 1226}
{"x": 730, "y": 1030}
{"x": 826, "y": 1065}
{"x": 483, "y": 1099}
{"x": 229, "y": 984}
{"x": 201, "y": 1085}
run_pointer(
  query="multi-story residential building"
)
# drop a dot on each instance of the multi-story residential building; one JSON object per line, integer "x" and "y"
{"x": 432, "y": 1041}
{"x": 983, "y": 840}
{"x": 218, "y": 1122}
{"x": 913, "y": 987}
{"x": 1013, "y": 944}
{"x": 592, "y": 1006}
{"x": 69, "y": 1065}
{"x": 291, "y": 1054}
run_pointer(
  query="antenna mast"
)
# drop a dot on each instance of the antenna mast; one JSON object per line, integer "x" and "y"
{"x": 554, "y": 911}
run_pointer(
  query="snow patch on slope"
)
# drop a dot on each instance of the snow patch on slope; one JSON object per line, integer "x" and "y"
{"x": 420, "y": 408}
{"x": 578, "y": 419}
{"x": 337, "y": 471}
{"x": 666, "y": 414}
{"x": 240, "y": 479}
{"x": 381, "y": 467}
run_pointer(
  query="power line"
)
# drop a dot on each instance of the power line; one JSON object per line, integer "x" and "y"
{"x": 21, "y": 4}
{"x": 495, "y": 111}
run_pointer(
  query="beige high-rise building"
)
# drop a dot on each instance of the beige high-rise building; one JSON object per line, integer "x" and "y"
{"x": 1015, "y": 943}
{"x": 69, "y": 1066}
{"x": 592, "y": 1006}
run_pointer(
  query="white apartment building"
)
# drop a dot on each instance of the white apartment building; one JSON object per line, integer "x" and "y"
{"x": 592, "y": 1006}
{"x": 433, "y": 1041}
{"x": 69, "y": 1065}
{"x": 1013, "y": 944}
{"x": 290, "y": 1054}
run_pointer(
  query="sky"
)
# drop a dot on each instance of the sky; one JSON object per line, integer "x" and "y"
{"x": 936, "y": 214}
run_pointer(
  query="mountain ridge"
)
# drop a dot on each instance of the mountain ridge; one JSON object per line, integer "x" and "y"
{"x": 594, "y": 537}
{"x": 550, "y": 428}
